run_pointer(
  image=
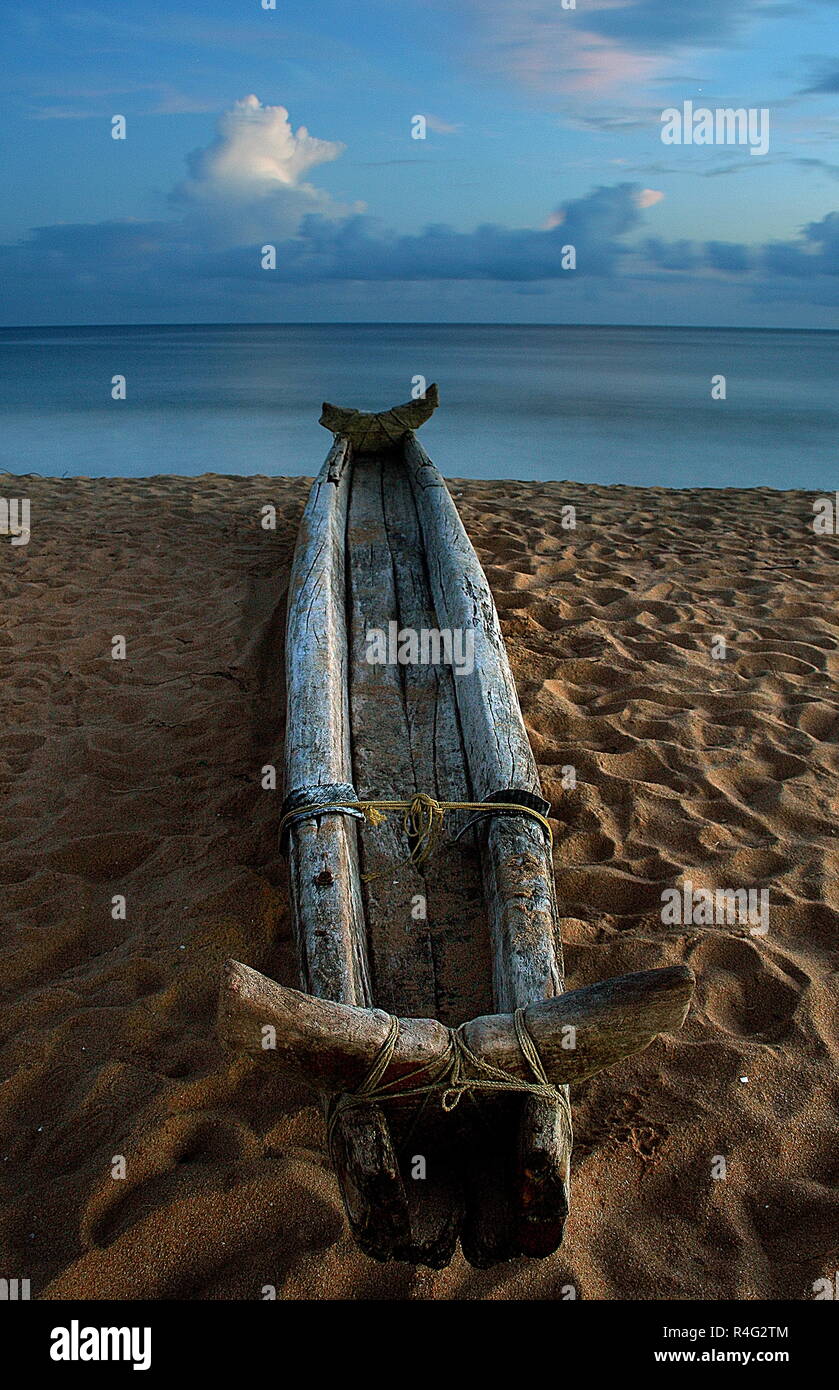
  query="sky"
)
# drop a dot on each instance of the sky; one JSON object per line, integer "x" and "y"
{"x": 293, "y": 127}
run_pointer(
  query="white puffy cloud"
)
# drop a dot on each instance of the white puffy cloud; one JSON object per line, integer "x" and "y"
{"x": 250, "y": 181}
{"x": 255, "y": 150}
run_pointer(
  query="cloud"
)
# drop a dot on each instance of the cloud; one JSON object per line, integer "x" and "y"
{"x": 602, "y": 45}
{"x": 125, "y": 266}
{"x": 771, "y": 269}
{"x": 671, "y": 255}
{"x": 250, "y": 180}
{"x": 660, "y": 26}
{"x": 441, "y": 127}
{"x": 548, "y": 52}
{"x": 250, "y": 186}
{"x": 66, "y": 102}
{"x": 818, "y": 257}
{"x": 729, "y": 257}
{"x": 64, "y": 113}
{"x": 828, "y": 84}
{"x": 256, "y": 149}
{"x": 823, "y": 165}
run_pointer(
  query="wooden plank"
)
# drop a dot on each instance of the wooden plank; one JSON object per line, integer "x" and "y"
{"x": 327, "y": 908}
{"x": 385, "y": 766}
{"x": 401, "y": 959}
{"x": 495, "y": 741}
{"x": 371, "y": 1183}
{"x": 456, "y": 913}
{"x": 455, "y": 922}
{"x": 332, "y": 1046}
{"x": 456, "y": 919}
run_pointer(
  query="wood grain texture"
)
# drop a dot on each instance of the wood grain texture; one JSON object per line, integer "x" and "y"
{"x": 330, "y": 1046}
{"x": 427, "y": 933}
{"x": 517, "y": 869}
{"x": 497, "y": 749}
{"x": 323, "y": 856}
{"x": 327, "y": 907}
{"x": 401, "y": 958}
{"x": 456, "y": 919}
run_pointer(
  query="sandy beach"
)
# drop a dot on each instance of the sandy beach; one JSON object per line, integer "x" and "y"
{"x": 139, "y": 779}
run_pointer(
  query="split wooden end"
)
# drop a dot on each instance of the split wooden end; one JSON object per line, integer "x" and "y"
{"x": 369, "y": 432}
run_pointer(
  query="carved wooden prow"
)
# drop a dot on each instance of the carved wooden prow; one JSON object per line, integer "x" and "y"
{"x": 369, "y": 432}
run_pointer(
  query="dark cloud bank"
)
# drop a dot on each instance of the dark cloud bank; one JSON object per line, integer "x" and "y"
{"x": 122, "y": 265}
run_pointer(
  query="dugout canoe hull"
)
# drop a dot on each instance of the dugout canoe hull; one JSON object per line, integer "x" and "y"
{"x": 467, "y": 937}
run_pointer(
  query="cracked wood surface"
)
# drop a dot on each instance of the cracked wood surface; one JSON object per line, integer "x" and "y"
{"x": 323, "y": 855}
{"x": 426, "y": 925}
{"x": 518, "y": 880}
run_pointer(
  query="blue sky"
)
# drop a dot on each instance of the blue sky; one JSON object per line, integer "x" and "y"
{"x": 292, "y": 127}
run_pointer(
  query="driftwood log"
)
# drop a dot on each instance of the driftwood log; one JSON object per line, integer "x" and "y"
{"x": 457, "y": 942}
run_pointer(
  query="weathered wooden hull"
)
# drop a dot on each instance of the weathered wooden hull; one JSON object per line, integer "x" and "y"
{"x": 471, "y": 933}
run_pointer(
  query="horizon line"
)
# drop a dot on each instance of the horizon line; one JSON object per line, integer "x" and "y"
{"x": 420, "y": 323}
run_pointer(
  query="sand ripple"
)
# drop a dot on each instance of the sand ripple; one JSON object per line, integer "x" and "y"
{"x": 141, "y": 778}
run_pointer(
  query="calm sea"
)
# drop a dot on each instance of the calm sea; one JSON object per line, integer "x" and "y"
{"x": 605, "y": 405}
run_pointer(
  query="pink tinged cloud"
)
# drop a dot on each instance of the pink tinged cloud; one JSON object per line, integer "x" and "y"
{"x": 594, "y": 65}
{"x": 441, "y": 127}
{"x": 639, "y": 197}
{"x": 549, "y": 50}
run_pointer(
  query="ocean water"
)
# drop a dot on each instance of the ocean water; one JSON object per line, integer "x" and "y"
{"x": 605, "y": 405}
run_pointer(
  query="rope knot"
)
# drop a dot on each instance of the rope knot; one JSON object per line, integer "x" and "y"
{"x": 457, "y": 1072}
{"x": 451, "y": 1099}
{"x": 422, "y": 823}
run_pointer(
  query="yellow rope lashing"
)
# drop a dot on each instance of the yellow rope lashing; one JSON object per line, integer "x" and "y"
{"x": 422, "y": 817}
{"x": 458, "y": 1072}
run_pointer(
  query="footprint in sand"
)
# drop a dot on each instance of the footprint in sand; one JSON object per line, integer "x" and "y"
{"x": 743, "y": 993}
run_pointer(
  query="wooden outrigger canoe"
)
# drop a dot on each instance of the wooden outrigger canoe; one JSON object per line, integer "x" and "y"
{"x": 432, "y": 1021}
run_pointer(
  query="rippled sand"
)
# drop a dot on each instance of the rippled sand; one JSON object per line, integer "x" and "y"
{"x": 141, "y": 777}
